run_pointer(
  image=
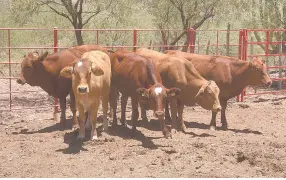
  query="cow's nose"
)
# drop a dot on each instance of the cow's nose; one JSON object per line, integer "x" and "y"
{"x": 217, "y": 109}
{"x": 268, "y": 84}
{"x": 159, "y": 114}
{"x": 82, "y": 89}
{"x": 20, "y": 81}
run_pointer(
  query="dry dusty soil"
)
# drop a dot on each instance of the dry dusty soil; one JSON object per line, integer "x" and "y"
{"x": 34, "y": 145}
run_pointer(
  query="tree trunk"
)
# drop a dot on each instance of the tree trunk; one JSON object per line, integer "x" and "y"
{"x": 78, "y": 36}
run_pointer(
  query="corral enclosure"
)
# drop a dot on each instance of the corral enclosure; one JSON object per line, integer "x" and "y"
{"x": 33, "y": 145}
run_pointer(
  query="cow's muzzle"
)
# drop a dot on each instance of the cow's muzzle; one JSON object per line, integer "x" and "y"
{"x": 216, "y": 108}
{"x": 82, "y": 89}
{"x": 21, "y": 81}
{"x": 268, "y": 83}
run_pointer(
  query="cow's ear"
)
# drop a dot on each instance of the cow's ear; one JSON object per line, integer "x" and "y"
{"x": 97, "y": 71}
{"x": 143, "y": 92}
{"x": 173, "y": 92}
{"x": 67, "y": 72}
{"x": 200, "y": 93}
{"x": 36, "y": 54}
{"x": 43, "y": 56}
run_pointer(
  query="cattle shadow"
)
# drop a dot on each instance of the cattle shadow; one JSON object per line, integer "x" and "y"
{"x": 155, "y": 125}
{"x": 126, "y": 133}
{"x": 207, "y": 126}
{"x": 49, "y": 129}
{"x": 74, "y": 145}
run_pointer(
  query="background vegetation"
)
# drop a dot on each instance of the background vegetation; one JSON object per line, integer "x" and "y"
{"x": 201, "y": 15}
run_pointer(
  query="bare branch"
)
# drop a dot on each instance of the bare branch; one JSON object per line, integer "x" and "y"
{"x": 208, "y": 15}
{"x": 278, "y": 14}
{"x": 258, "y": 39}
{"x": 89, "y": 18}
{"x": 60, "y": 13}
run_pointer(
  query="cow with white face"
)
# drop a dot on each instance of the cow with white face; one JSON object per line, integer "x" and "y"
{"x": 90, "y": 82}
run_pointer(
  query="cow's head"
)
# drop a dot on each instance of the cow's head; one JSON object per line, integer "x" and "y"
{"x": 156, "y": 96}
{"x": 80, "y": 72}
{"x": 258, "y": 73}
{"x": 29, "y": 67}
{"x": 207, "y": 97}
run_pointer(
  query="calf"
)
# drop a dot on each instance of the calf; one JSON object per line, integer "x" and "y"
{"x": 231, "y": 75}
{"x": 91, "y": 76}
{"x": 136, "y": 77}
{"x": 44, "y": 70}
{"x": 180, "y": 73}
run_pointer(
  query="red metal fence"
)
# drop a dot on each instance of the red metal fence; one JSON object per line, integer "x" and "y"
{"x": 234, "y": 43}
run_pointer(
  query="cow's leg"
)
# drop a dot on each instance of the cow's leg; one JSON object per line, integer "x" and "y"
{"x": 124, "y": 100}
{"x": 174, "y": 110}
{"x": 135, "y": 113}
{"x": 223, "y": 117}
{"x": 167, "y": 112}
{"x": 93, "y": 118}
{"x": 143, "y": 113}
{"x": 213, "y": 121}
{"x": 113, "y": 100}
{"x": 180, "y": 106}
{"x": 105, "y": 100}
{"x": 63, "y": 110}
{"x": 110, "y": 113}
{"x": 82, "y": 118}
{"x": 73, "y": 110}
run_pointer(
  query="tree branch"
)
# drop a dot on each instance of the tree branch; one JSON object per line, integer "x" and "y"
{"x": 208, "y": 15}
{"x": 89, "y": 18}
{"x": 60, "y": 13}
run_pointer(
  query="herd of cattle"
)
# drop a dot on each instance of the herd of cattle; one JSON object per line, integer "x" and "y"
{"x": 153, "y": 80}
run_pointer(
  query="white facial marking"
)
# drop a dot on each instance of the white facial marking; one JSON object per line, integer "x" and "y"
{"x": 158, "y": 90}
{"x": 79, "y": 64}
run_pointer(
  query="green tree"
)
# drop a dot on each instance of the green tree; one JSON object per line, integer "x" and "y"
{"x": 183, "y": 14}
{"x": 77, "y": 12}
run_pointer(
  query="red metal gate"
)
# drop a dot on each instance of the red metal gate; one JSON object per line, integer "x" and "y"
{"x": 210, "y": 41}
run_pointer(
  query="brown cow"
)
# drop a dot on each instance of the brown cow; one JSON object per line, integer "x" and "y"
{"x": 178, "y": 72}
{"x": 91, "y": 76}
{"x": 44, "y": 71}
{"x": 136, "y": 77}
{"x": 231, "y": 75}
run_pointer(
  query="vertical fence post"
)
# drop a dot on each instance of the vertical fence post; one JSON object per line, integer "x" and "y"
{"x": 240, "y": 50}
{"x": 267, "y": 49}
{"x": 245, "y": 43}
{"x": 192, "y": 32}
{"x": 10, "y": 74}
{"x": 96, "y": 36}
{"x": 56, "y": 101}
{"x": 134, "y": 39}
{"x": 217, "y": 33}
{"x": 164, "y": 40}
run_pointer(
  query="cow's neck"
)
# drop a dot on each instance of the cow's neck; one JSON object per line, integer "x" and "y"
{"x": 45, "y": 80}
{"x": 240, "y": 75}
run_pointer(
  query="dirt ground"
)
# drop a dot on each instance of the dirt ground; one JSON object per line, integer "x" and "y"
{"x": 34, "y": 145}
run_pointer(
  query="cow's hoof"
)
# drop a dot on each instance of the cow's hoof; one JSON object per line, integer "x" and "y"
{"x": 145, "y": 119}
{"x": 80, "y": 138}
{"x": 184, "y": 128}
{"x": 75, "y": 127}
{"x": 94, "y": 138}
{"x": 224, "y": 127}
{"x": 168, "y": 135}
{"x": 212, "y": 128}
{"x": 173, "y": 131}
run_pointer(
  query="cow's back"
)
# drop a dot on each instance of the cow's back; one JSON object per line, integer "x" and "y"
{"x": 179, "y": 72}
{"x": 132, "y": 72}
{"x": 221, "y": 69}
